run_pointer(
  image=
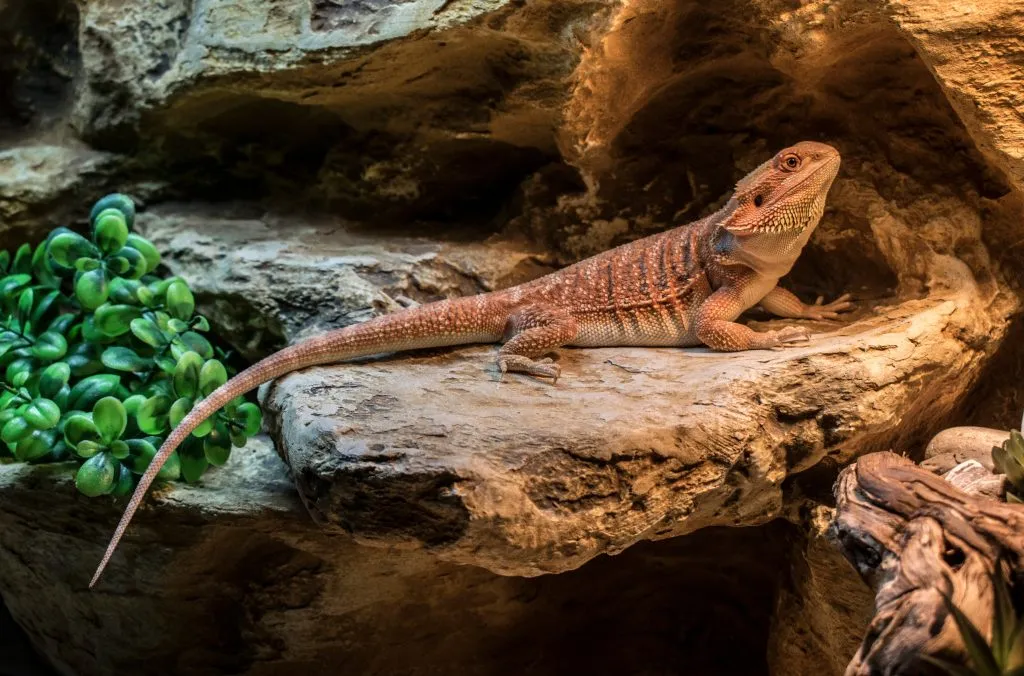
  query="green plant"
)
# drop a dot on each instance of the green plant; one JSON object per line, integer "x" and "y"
{"x": 100, "y": 358}
{"x": 1009, "y": 459}
{"x": 1004, "y": 655}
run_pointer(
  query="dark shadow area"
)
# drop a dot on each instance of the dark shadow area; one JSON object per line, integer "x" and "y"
{"x": 17, "y": 658}
{"x": 242, "y": 600}
{"x": 298, "y": 157}
{"x": 997, "y": 399}
{"x": 38, "y": 62}
{"x": 696, "y": 605}
{"x": 699, "y": 605}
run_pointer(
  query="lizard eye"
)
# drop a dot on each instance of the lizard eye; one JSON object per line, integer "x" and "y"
{"x": 791, "y": 162}
{"x": 758, "y": 200}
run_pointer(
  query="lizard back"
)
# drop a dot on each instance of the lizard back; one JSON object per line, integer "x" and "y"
{"x": 642, "y": 293}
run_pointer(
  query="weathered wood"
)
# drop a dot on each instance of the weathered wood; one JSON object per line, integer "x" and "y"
{"x": 911, "y": 535}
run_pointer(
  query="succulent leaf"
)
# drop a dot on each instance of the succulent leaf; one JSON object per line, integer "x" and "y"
{"x": 110, "y": 230}
{"x": 97, "y": 475}
{"x": 91, "y": 289}
{"x": 118, "y": 201}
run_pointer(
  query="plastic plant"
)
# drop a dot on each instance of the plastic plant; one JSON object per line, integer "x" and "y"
{"x": 1009, "y": 459}
{"x": 100, "y": 357}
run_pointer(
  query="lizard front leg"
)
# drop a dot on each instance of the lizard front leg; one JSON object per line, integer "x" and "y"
{"x": 716, "y": 329}
{"x": 783, "y": 303}
{"x": 531, "y": 332}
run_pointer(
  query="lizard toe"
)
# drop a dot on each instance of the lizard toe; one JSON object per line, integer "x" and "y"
{"x": 830, "y": 310}
{"x": 792, "y": 334}
{"x": 541, "y": 368}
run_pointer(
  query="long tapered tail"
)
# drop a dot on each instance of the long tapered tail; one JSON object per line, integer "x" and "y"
{"x": 477, "y": 319}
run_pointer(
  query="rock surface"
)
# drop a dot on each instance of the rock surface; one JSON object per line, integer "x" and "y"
{"x": 524, "y": 478}
{"x": 823, "y": 608}
{"x": 632, "y": 444}
{"x": 949, "y": 44}
{"x": 974, "y": 478}
{"x": 266, "y": 281}
{"x": 43, "y": 184}
{"x": 956, "y": 445}
{"x": 442, "y": 124}
{"x": 232, "y": 577}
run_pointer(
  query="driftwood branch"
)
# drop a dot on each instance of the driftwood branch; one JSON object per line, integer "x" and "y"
{"x": 911, "y": 535}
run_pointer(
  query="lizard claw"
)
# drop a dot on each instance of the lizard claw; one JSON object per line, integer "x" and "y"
{"x": 830, "y": 311}
{"x": 541, "y": 368}
{"x": 788, "y": 335}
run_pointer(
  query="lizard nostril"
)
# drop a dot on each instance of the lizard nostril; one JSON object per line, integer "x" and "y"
{"x": 758, "y": 200}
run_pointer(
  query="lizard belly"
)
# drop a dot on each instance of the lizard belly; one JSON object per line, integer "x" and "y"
{"x": 647, "y": 328}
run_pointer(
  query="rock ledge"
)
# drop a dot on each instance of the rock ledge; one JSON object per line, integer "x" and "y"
{"x": 524, "y": 478}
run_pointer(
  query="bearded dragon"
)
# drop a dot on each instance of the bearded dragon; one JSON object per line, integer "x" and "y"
{"x": 682, "y": 287}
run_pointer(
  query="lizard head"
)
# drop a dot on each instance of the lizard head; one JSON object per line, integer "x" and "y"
{"x": 786, "y": 194}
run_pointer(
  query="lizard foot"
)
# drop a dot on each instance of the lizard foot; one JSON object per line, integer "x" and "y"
{"x": 830, "y": 311}
{"x": 787, "y": 335}
{"x": 541, "y": 368}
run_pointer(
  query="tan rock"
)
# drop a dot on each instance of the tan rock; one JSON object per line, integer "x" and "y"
{"x": 266, "y": 280}
{"x": 524, "y": 478}
{"x": 40, "y": 184}
{"x": 232, "y": 577}
{"x": 956, "y": 445}
{"x": 960, "y": 43}
{"x": 974, "y": 478}
{"x": 823, "y": 608}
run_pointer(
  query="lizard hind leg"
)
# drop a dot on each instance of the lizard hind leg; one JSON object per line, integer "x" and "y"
{"x": 531, "y": 332}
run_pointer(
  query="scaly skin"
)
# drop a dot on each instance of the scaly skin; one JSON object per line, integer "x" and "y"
{"x": 683, "y": 287}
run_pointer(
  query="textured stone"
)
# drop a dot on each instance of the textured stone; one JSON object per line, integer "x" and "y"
{"x": 654, "y": 129}
{"x": 957, "y": 45}
{"x": 442, "y": 124}
{"x": 956, "y": 445}
{"x": 823, "y": 608}
{"x": 42, "y": 185}
{"x": 524, "y": 478}
{"x": 143, "y": 55}
{"x": 232, "y": 577}
{"x": 974, "y": 478}
{"x": 266, "y": 280}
